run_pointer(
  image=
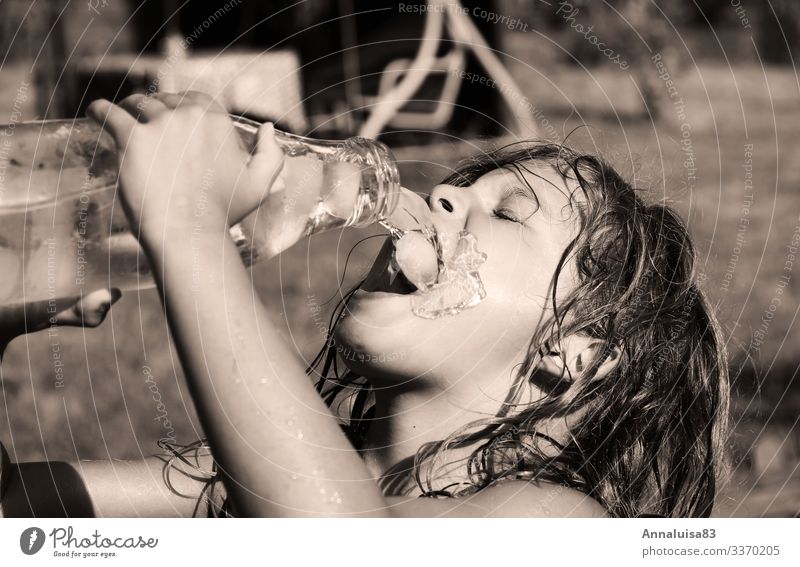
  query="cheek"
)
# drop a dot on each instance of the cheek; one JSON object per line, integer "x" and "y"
{"x": 517, "y": 281}
{"x": 518, "y": 274}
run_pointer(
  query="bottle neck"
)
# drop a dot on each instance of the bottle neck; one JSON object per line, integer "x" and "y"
{"x": 380, "y": 182}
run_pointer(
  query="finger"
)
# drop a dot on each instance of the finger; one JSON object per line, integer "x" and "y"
{"x": 89, "y": 311}
{"x": 175, "y": 100}
{"x": 267, "y": 165}
{"x": 142, "y": 107}
{"x": 114, "y": 119}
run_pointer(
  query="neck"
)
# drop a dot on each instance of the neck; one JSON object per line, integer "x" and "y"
{"x": 405, "y": 420}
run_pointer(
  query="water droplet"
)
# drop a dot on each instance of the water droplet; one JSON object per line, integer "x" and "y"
{"x": 294, "y": 476}
{"x": 289, "y": 422}
{"x": 300, "y": 435}
{"x": 322, "y": 491}
{"x": 263, "y": 380}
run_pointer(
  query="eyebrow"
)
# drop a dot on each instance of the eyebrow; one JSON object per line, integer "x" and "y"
{"x": 527, "y": 190}
{"x": 520, "y": 192}
{"x": 518, "y": 170}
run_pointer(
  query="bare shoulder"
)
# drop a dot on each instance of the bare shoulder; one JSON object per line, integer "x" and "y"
{"x": 524, "y": 498}
{"x": 508, "y": 499}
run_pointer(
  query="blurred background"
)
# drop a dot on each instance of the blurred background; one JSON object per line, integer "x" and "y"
{"x": 697, "y": 103}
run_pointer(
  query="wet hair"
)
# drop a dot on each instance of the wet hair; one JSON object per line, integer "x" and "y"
{"x": 646, "y": 438}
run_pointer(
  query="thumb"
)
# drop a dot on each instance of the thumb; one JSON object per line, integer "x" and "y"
{"x": 89, "y": 311}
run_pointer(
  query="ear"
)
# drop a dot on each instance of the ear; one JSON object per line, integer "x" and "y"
{"x": 573, "y": 355}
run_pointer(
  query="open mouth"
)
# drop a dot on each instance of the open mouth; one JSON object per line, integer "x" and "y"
{"x": 386, "y": 277}
{"x": 456, "y": 286}
{"x": 401, "y": 285}
{"x": 439, "y": 271}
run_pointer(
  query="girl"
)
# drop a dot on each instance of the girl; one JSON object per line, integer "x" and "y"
{"x": 590, "y": 381}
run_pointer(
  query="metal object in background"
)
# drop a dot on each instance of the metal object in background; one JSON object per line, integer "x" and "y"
{"x": 387, "y": 109}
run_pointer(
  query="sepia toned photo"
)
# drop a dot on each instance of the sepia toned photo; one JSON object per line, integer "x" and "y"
{"x": 371, "y": 259}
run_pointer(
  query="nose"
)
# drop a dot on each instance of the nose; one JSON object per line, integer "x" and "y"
{"x": 450, "y": 205}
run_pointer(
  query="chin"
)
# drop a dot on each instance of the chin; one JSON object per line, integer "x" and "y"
{"x": 372, "y": 345}
{"x": 383, "y": 341}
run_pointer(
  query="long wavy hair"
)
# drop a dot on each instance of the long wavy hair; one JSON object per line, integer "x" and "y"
{"x": 646, "y": 438}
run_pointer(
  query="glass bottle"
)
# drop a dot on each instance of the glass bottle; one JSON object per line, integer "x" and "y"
{"x": 63, "y": 232}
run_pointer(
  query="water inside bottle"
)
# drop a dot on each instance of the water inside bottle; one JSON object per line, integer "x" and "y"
{"x": 80, "y": 243}
{"x": 62, "y": 233}
{"x": 317, "y": 195}
{"x": 66, "y": 247}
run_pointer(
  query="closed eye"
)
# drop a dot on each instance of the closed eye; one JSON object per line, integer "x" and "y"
{"x": 524, "y": 204}
{"x": 505, "y": 214}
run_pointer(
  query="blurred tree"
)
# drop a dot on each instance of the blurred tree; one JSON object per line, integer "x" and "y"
{"x": 634, "y": 30}
{"x": 37, "y": 37}
{"x": 648, "y": 35}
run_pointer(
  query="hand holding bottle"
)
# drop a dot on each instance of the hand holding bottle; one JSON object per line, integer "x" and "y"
{"x": 183, "y": 166}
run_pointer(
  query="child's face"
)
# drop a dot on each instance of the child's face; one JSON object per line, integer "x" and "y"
{"x": 523, "y": 236}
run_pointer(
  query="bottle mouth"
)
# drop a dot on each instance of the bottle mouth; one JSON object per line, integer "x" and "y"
{"x": 380, "y": 181}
